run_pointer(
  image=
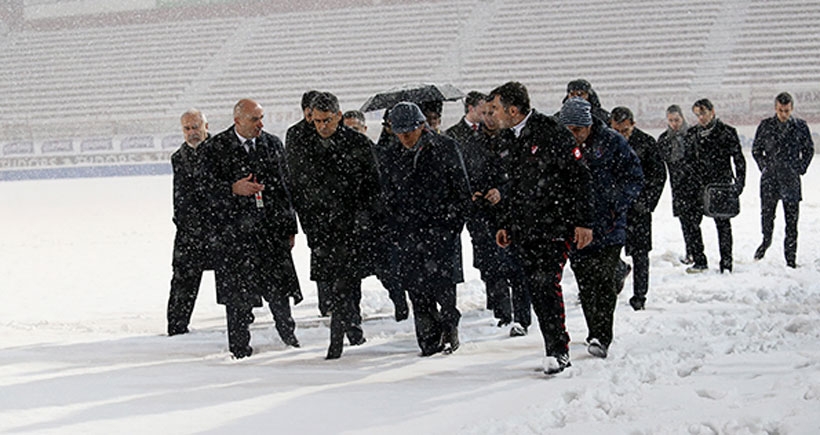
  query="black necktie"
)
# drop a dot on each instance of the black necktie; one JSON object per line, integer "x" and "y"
{"x": 251, "y": 149}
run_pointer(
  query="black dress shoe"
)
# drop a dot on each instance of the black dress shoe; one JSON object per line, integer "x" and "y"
{"x": 291, "y": 341}
{"x": 432, "y": 351}
{"x": 357, "y": 340}
{"x": 401, "y": 311}
{"x": 242, "y": 352}
{"x": 760, "y": 252}
{"x": 177, "y": 331}
{"x": 334, "y": 352}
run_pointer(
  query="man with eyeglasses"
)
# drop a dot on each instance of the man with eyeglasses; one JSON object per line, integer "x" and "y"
{"x": 335, "y": 189}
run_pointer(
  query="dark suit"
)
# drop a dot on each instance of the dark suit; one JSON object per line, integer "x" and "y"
{"x": 506, "y": 288}
{"x": 461, "y": 131}
{"x": 253, "y": 260}
{"x": 192, "y": 243}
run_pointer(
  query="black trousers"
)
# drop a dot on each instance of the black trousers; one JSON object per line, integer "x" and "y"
{"x": 694, "y": 239}
{"x": 344, "y": 298}
{"x": 434, "y": 310}
{"x": 640, "y": 274}
{"x": 188, "y": 266}
{"x": 327, "y": 295}
{"x": 791, "y": 212}
{"x": 507, "y": 294}
{"x": 543, "y": 265}
{"x": 240, "y": 317}
{"x": 596, "y": 273}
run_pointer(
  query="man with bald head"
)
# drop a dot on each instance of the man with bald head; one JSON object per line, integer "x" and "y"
{"x": 256, "y": 226}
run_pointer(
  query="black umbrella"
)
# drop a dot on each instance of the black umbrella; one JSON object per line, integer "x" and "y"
{"x": 415, "y": 93}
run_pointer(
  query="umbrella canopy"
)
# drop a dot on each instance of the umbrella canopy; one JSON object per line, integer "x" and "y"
{"x": 414, "y": 93}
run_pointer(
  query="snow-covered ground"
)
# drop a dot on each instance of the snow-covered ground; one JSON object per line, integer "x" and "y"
{"x": 84, "y": 276}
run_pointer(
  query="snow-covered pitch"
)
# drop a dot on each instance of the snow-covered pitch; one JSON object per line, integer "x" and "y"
{"x": 84, "y": 279}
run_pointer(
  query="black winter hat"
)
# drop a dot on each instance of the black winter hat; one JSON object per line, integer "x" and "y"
{"x": 406, "y": 117}
{"x": 579, "y": 85}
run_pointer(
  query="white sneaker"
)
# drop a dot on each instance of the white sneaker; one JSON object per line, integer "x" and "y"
{"x": 596, "y": 349}
{"x": 556, "y": 364}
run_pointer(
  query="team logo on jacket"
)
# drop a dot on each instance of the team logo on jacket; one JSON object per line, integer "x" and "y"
{"x": 533, "y": 149}
{"x": 576, "y": 152}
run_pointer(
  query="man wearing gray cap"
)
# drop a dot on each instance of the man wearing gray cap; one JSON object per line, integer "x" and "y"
{"x": 617, "y": 179}
{"x": 426, "y": 195}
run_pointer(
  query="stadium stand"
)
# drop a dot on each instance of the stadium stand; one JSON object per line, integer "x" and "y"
{"x": 127, "y": 76}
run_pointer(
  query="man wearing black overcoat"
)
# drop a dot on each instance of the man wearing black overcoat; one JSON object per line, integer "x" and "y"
{"x": 335, "y": 188}
{"x": 425, "y": 194}
{"x": 716, "y": 148}
{"x": 639, "y": 216}
{"x": 783, "y": 150}
{"x": 192, "y": 218}
{"x": 256, "y": 226}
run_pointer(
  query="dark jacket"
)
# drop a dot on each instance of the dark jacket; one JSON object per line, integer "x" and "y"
{"x": 297, "y": 131}
{"x": 461, "y": 132}
{"x": 598, "y": 111}
{"x": 617, "y": 182}
{"x": 485, "y": 171}
{"x": 426, "y": 195}
{"x": 335, "y": 187}
{"x": 550, "y": 187}
{"x": 716, "y": 147}
{"x": 254, "y": 258}
{"x": 639, "y": 216}
{"x": 678, "y": 155}
{"x": 191, "y": 204}
{"x": 783, "y": 152}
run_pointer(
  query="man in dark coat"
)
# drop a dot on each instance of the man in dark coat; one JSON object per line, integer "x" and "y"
{"x": 305, "y": 125}
{"x": 716, "y": 147}
{"x": 783, "y": 150}
{"x": 192, "y": 218}
{"x": 257, "y": 226}
{"x": 507, "y": 295}
{"x": 385, "y": 252}
{"x": 548, "y": 207}
{"x": 469, "y": 123}
{"x": 639, "y": 216}
{"x": 677, "y": 154}
{"x": 583, "y": 89}
{"x": 335, "y": 187}
{"x": 426, "y": 195}
{"x": 293, "y": 136}
{"x": 617, "y": 182}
